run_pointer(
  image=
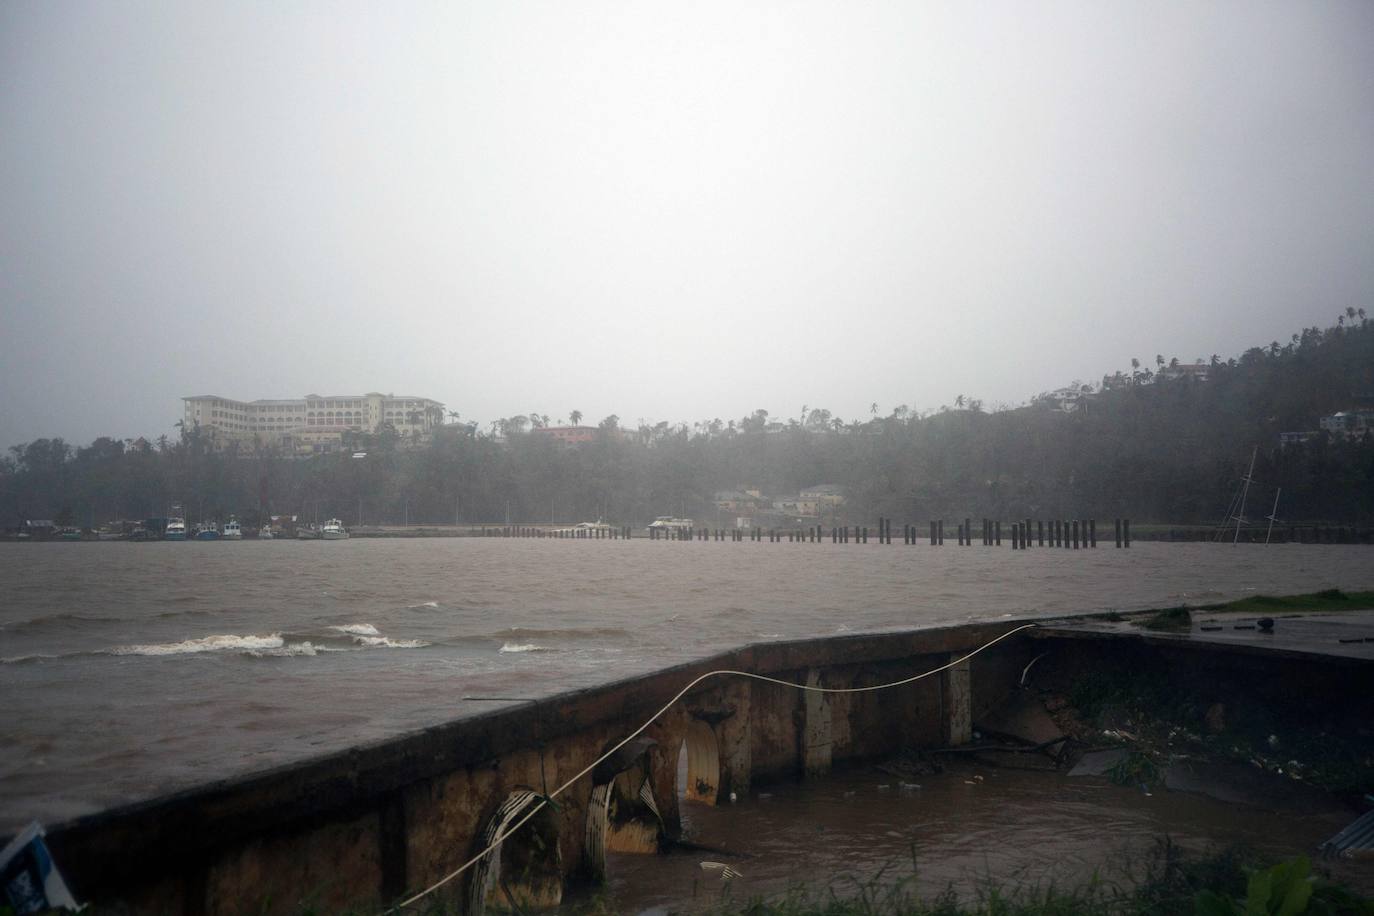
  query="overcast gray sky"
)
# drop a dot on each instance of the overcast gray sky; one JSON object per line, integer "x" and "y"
{"x": 669, "y": 211}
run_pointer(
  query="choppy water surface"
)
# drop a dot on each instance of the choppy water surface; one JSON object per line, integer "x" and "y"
{"x": 130, "y": 670}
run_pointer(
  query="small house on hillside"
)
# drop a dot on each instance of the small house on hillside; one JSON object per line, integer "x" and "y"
{"x": 1349, "y": 424}
{"x": 824, "y": 494}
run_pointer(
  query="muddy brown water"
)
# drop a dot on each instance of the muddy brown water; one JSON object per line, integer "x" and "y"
{"x": 131, "y": 670}
{"x": 965, "y": 829}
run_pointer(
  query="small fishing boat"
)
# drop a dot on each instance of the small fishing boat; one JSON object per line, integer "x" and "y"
{"x": 233, "y": 531}
{"x": 207, "y": 531}
{"x": 334, "y": 530}
{"x": 175, "y": 530}
{"x": 265, "y": 533}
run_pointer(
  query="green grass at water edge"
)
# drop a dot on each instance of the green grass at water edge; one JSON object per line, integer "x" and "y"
{"x": 1174, "y": 618}
{"x": 1331, "y": 599}
{"x": 1180, "y": 617}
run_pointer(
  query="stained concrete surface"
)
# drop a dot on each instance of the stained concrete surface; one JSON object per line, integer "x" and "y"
{"x": 1347, "y": 634}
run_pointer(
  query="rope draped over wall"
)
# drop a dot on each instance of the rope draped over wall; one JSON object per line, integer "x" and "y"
{"x": 499, "y": 830}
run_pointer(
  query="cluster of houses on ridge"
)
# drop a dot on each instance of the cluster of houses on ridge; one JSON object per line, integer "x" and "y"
{"x": 750, "y": 507}
{"x": 1344, "y": 424}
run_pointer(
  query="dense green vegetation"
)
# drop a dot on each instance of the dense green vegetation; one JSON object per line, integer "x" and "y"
{"x": 1144, "y": 446}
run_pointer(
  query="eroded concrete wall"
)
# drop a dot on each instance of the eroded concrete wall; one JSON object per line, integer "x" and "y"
{"x": 363, "y": 828}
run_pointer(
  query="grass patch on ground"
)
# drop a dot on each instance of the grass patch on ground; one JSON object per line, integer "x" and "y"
{"x": 1179, "y": 618}
{"x": 1331, "y": 599}
{"x": 1174, "y": 618}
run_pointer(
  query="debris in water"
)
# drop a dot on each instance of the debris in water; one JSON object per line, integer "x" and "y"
{"x": 726, "y": 872}
{"x": 1024, "y": 718}
{"x": 1356, "y": 838}
{"x": 32, "y": 882}
{"x": 1097, "y": 763}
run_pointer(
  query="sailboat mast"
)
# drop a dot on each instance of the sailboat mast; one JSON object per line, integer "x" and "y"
{"x": 1249, "y": 475}
{"x": 1272, "y": 513}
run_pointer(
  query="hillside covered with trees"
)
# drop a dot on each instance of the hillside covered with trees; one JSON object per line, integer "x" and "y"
{"x": 1143, "y": 444}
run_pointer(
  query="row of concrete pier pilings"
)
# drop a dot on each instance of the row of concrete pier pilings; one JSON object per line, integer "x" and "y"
{"x": 1071, "y": 534}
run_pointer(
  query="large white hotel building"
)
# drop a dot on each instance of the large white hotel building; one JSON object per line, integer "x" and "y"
{"x": 313, "y": 423}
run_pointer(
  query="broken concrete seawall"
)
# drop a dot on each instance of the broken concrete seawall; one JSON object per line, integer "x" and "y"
{"x": 363, "y": 828}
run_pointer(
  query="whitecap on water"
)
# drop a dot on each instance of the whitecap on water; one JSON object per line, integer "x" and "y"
{"x": 357, "y": 629}
{"x": 384, "y": 642}
{"x": 224, "y": 643}
{"x": 287, "y": 651}
{"x": 522, "y": 647}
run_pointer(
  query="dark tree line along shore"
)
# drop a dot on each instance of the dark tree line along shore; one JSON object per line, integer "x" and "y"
{"x": 1142, "y": 445}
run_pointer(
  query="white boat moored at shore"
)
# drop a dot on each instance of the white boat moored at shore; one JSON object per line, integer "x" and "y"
{"x": 334, "y": 530}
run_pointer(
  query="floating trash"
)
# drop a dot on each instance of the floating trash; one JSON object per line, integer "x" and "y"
{"x": 1358, "y": 837}
{"x": 726, "y": 872}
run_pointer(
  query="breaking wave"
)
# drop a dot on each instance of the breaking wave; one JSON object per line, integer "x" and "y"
{"x": 228, "y": 643}
{"x": 287, "y": 651}
{"x": 522, "y": 647}
{"x": 387, "y": 643}
{"x": 357, "y": 629}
